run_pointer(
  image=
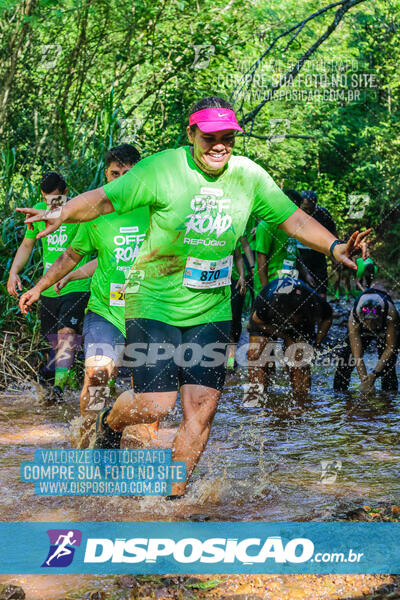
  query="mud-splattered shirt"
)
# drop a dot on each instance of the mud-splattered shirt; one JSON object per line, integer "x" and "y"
{"x": 195, "y": 223}
{"x": 117, "y": 239}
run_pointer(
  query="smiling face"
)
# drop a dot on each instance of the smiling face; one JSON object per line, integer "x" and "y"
{"x": 115, "y": 170}
{"x": 211, "y": 151}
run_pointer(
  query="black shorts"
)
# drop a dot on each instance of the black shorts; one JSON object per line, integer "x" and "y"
{"x": 63, "y": 311}
{"x": 164, "y": 357}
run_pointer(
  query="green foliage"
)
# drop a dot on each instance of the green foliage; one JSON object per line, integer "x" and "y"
{"x": 81, "y": 76}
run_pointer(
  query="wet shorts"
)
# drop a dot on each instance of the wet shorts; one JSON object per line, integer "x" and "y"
{"x": 164, "y": 357}
{"x": 63, "y": 311}
{"x": 101, "y": 338}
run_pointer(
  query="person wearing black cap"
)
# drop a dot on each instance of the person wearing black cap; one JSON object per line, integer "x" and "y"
{"x": 373, "y": 317}
{"x": 308, "y": 259}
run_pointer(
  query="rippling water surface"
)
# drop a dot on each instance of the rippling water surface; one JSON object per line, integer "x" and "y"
{"x": 267, "y": 463}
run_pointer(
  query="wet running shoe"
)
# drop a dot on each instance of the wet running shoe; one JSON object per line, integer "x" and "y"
{"x": 105, "y": 436}
{"x": 173, "y": 497}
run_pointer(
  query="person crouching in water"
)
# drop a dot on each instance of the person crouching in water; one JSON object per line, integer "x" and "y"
{"x": 373, "y": 317}
{"x": 289, "y": 309}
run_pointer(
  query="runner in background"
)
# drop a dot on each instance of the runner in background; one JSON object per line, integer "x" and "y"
{"x": 116, "y": 239}
{"x": 178, "y": 293}
{"x": 364, "y": 276}
{"x": 315, "y": 262}
{"x": 249, "y": 255}
{"x": 238, "y": 295}
{"x": 60, "y": 315}
{"x": 342, "y": 281}
{"x": 372, "y": 318}
{"x": 276, "y": 255}
{"x": 275, "y": 251}
{"x": 366, "y": 273}
{"x": 289, "y": 309}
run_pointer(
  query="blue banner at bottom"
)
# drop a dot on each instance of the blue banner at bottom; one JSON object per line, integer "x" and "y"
{"x": 199, "y": 548}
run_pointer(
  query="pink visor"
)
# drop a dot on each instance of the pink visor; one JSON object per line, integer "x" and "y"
{"x": 214, "y": 119}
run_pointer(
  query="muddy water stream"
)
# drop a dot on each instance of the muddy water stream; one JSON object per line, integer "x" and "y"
{"x": 262, "y": 464}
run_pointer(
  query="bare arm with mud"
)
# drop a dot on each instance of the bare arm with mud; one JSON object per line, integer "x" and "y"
{"x": 84, "y": 272}
{"x": 64, "y": 263}
{"x": 239, "y": 262}
{"x": 391, "y": 339}
{"x": 356, "y": 347}
{"x": 85, "y": 207}
{"x": 311, "y": 233}
{"x": 20, "y": 259}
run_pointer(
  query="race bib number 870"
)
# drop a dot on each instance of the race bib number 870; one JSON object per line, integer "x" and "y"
{"x": 207, "y": 274}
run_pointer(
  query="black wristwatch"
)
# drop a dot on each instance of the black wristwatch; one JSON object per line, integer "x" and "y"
{"x": 333, "y": 246}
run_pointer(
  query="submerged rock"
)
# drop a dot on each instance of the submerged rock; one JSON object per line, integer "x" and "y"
{"x": 127, "y": 581}
{"x": 11, "y": 592}
{"x": 380, "y": 511}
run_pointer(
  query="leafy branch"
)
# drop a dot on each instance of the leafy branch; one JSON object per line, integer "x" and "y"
{"x": 246, "y": 81}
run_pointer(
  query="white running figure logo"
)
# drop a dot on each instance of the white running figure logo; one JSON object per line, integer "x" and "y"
{"x": 62, "y": 550}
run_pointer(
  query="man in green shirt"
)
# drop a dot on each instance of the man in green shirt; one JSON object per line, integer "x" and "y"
{"x": 62, "y": 314}
{"x": 116, "y": 239}
{"x": 239, "y": 285}
{"x": 276, "y": 252}
{"x": 178, "y": 294}
{"x": 276, "y": 256}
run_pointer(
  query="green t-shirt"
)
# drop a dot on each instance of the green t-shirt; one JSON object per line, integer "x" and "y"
{"x": 53, "y": 246}
{"x": 280, "y": 249}
{"x": 195, "y": 222}
{"x": 361, "y": 265}
{"x": 117, "y": 239}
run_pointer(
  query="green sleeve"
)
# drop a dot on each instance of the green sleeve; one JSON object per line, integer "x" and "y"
{"x": 264, "y": 236}
{"x": 136, "y": 188}
{"x": 83, "y": 243}
{"x": 31, "y": 234}
{"x": 270, "y": 203}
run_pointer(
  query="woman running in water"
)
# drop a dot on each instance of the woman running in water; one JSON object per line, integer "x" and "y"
{"x": 178, "y": 309}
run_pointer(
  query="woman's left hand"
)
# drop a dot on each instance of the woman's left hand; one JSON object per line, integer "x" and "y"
{"x": 354, "y": 245}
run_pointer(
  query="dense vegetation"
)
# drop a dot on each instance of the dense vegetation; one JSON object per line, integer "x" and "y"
{"x": 316, "y": 85}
